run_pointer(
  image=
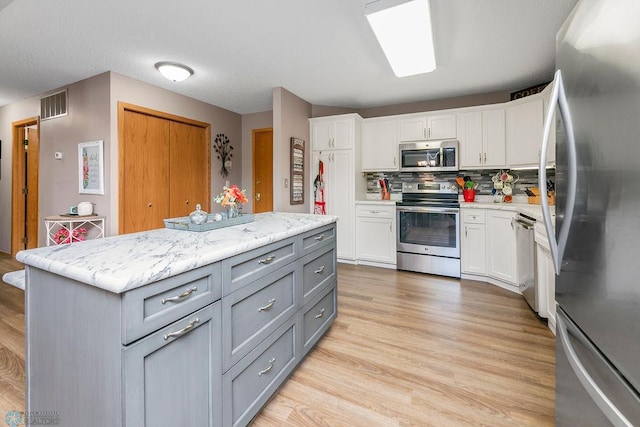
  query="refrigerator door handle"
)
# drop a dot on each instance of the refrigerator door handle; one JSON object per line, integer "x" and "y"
{"x": 612, "y": 413}
{"x": 559, "y": 99}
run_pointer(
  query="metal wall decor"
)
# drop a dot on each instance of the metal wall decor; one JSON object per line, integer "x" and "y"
{"x": 223, "y": 149}
{"x": 297, "y": 171}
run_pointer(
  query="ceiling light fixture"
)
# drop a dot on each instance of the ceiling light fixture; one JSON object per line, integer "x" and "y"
{"x": 403, "y": 29}
{"x": 174, "y": 71}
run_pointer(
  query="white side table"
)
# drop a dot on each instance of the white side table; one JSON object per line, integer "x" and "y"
{"x": 71, "y": 225}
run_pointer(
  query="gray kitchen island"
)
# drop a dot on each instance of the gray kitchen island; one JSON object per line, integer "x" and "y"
{"x": 176, "y": 328}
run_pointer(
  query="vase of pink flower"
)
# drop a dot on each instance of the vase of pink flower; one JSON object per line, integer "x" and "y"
{"x": 65, "y": 235}
{"x": 230, "y": 198}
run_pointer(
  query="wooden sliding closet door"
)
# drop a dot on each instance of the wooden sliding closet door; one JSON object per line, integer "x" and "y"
{"x": 164, "y": 167}
{"x": 189, "y": 166}
{"x": 144, "y": 165}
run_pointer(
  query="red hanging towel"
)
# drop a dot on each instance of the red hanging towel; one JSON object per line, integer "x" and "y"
{"x": 319, "y": 203}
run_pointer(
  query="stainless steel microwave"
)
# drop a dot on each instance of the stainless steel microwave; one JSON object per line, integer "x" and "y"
{"x": 429, "y": 156}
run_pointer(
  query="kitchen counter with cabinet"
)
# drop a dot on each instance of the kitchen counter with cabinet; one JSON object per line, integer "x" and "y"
{"x": 170, "y": 327}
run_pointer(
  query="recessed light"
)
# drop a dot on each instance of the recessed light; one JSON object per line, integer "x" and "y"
{"x": 403, "y": 29}
{"x": 174, "y": 71}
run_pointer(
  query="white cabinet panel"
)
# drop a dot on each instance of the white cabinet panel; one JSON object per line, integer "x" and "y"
{"x": 482, "y": 139}
{"x": 332, "y": 133}
{"x": 379, "y": 145}
{"x": 501, "y": 246}
{"x": 525, "y": 123}
{"x": 376, "y": 233}
{"x": 473, "y": 242}
{"x": 419, "y": 128}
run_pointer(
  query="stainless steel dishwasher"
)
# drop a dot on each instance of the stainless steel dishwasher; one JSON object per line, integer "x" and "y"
{"x": 526, "y": 259}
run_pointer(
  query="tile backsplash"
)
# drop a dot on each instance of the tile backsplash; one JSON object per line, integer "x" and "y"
{"x": 525, "y": 179}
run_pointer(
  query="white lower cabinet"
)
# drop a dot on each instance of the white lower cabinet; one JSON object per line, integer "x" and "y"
{"x": 473, "y": 242}
{"x": 501, "y": 246}
{"x": 376, "y": 233}
{"x": 546, "y": 276}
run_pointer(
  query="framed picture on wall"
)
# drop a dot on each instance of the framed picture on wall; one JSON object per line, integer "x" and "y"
{"x": 91, "y": 167}
{"x": 297, "y": 171}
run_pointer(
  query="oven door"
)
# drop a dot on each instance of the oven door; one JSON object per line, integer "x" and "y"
{"x": 429, "y": 231}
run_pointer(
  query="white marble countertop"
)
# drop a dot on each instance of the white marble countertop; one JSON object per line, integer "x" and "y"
{"x": 534, "y": 211}
{"x": 125, "y": 262}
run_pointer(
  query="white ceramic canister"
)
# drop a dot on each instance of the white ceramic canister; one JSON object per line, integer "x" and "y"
{"x": 85, "y": 208}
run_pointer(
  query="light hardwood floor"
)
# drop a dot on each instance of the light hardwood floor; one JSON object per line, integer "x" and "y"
{"x": 406, "y": 349}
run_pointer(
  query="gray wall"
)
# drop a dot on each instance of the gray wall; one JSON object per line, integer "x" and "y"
{"x": 249, "y": 123}
{"x": 133, "y": 91}
{"x": 290, "y": 119}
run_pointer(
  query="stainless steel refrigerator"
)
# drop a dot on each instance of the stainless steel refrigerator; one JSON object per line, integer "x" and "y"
{"x": 596, "y": 100}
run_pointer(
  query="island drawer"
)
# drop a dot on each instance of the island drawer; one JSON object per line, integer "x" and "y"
{"x": 256, "y": 310}
{"x": 318, "y": 269}
{"x": 317, "y": 238}
{"x": 250, "y": 383}
{"x": 149, "y": 308}
{"x": 243, "y": 269}
{"x": 473, "y": 216}
{"x": 376, "y": 211}
{"x": 318, "y": 315}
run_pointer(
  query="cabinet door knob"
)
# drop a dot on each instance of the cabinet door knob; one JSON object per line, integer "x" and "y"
{"x": 320, "y": 314}
{"x": 267, "y": 260}
{"x": 149, "y": 205}
{"x": 187, "y": 202}
{"x": 320, "y": 270}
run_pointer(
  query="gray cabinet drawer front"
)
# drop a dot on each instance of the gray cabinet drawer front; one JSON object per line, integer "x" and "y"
{"x": 318, "y": 316}
{"x": 149, "y": 308}
{"x": 243, "y": 269}
{"x": 257, "y": 310}
{"x": 318, "y": 270}
{"x": 158, "y": 370}
{"x": 317, "y": 238}
{"x": 248, "y": 385}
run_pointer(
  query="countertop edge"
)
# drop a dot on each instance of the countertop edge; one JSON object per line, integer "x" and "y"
{"x": 146, "y": 274}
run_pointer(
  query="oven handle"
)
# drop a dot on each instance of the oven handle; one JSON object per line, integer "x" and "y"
{"x": 425, "y": 209}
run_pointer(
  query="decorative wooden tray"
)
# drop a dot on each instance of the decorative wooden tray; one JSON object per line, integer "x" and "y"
{"x": 184, "y": 223}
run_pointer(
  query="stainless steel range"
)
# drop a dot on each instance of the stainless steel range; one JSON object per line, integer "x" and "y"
{"x": 428, "y": 238}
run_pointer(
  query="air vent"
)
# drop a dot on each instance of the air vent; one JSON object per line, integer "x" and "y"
{"x": 53, "y": 106}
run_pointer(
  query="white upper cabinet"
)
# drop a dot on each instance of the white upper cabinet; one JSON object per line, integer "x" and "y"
{"x": 525, "y": 124}
{"x": 482, "y": 139}
{"x": 379, "y": 145}
{"x": 423, "y": 127}
{"x": 333, "y": 133}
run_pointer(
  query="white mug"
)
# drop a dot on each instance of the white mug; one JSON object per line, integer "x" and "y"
{"x": 507, "y": 190}
{"x": 498, "y": 185}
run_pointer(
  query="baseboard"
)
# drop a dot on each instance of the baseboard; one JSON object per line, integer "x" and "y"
{"x": 491, "y": 280}
{"x": 377, "y": 264}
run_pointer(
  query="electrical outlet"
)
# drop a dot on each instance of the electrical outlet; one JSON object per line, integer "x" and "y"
{"x": 286, "y": 183}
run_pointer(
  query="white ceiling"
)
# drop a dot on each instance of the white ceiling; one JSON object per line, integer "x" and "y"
{"x": 321, "y": 50}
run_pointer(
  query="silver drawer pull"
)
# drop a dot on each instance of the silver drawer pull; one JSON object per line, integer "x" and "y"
{"x": 268, "y": 306}
{"x": 182, "y": 331}
{"x": 180, "y": 297}
{"x": 320, "y": 270}
{"x": 319, "y": 315}
{"x": 267, "y": 260}
{"x": 268, "y": 368}
{"x": 320, "y": 237}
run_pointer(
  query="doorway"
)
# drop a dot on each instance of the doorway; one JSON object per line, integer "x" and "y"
{"x": 262, "y": 170}
{"x": 24, "y": 194}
